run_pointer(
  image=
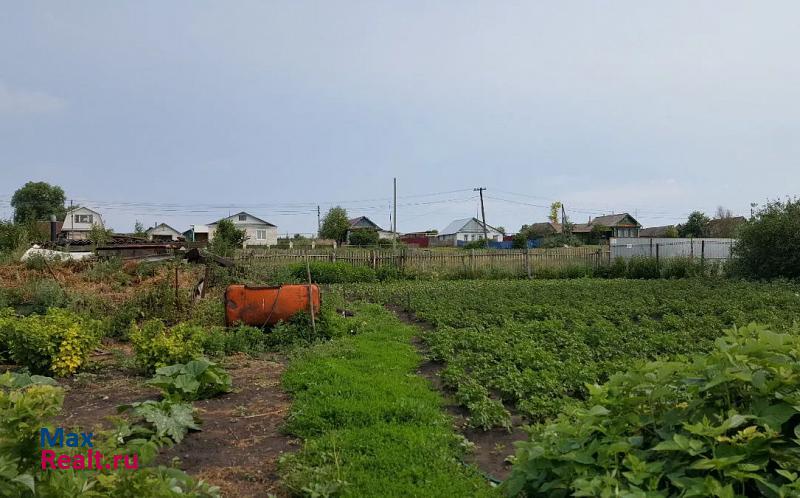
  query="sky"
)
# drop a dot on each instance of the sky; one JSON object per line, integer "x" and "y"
{"x": 183, "y": 112}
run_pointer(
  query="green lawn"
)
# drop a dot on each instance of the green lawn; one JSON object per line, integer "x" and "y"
{"x": 372, "y": 427}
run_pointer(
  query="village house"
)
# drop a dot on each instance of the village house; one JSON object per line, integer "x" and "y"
{"x": 257, "y": 231}
{"x": 364, "y": 223}
{"x": 460, "y": 232}
{"x": 162, "y": 231}
{"x": 78, "y": 222}
{"x": 197, "y": 233}
{"x": 607, "y": 226}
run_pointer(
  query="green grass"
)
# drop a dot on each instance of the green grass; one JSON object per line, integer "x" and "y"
{"x": 371, "y": 426}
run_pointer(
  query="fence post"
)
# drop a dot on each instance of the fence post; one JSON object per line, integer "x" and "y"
{"x": 657, "y": 246}
{"x": 691, "y": 247}
{"x": 527, "y": 260}
{"x": 651, "y": 247}
{"x": 702, "y": 254}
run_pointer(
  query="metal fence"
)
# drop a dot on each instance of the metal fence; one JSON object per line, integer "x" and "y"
{"x": 513, "y": 261}
{"x": 705, "y": 248}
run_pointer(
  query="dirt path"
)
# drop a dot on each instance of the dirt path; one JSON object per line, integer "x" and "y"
{"x": 240, "y": 442}
{"x": 492, "y": 446}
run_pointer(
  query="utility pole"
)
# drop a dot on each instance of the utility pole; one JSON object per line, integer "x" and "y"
{"x": 394, "y": 214}
{"x": 564, "y": 228}
{"x": 319, "y": 224}
{"x": 483, "y": 216}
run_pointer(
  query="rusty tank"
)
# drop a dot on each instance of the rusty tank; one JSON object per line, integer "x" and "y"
{"x": 260, "y": 306}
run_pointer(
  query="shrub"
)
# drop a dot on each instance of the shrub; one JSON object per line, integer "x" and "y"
{"x": 156, "y": 345}
{"x": 641, "y": 267}
{"x": 40, "y": 294}
{"x": 722, "y": 424}
{"x": 769, "y": 243}
{"x": 323, "y": 272}
{"x": 209, "y": 312}
{"x": 108, "y": 271}
{"x": 364, "y": 237}
{"x": 227, "y": 238}
{"x": 58, "y": 342}
{"x": 197, "y": 379}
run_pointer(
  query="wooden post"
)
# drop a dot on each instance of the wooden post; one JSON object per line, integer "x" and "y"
{"x": 310, "y": 297}
{"x": 691, "y": 247}
{"x": 177, "y": 299}
{"x": 651, "y": 247}
{"x": 657, "y": 246}
{"x": 527, "y": 260}
{"x": 702, "y": 254}
{"x": 205, "y": 282}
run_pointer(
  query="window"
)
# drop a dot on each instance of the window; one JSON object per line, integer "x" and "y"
{"x": 261, "y": 234}
{"x": 243, "y": 217}
{"x": 83, "y": 218}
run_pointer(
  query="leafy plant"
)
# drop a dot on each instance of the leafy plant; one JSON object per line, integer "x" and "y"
{"x": 724, "y": 424}
{"x": 156, "y": 345}
{"x": 197, "y": 379}
{"x": 323, "y": 272}
{"x": 168, "y": 418}
{"x": 58, "y": 342}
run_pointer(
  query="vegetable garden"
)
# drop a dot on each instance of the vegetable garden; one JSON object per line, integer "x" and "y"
{"x": 631, "y": 387}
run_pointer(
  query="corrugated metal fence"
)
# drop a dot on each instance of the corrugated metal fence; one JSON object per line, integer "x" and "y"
{"x": 706, "y": 248}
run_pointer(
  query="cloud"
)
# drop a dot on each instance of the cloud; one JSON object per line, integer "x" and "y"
{"x": 16, "y": 101}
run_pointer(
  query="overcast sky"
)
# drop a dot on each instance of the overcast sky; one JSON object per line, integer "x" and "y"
{"x": 182, "y": 112}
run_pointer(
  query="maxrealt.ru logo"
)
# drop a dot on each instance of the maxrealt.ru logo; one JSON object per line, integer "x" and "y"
{"x": 90, "y": 460}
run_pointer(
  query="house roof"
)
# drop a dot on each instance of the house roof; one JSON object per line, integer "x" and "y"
{"x": 655, "y": 231}
{"x": 81, "y": 207}
{"x": 237, "y": 214}
{"x": 161, "y": 225}
{"x": 456, "y": 226}
{"x": 354, "y": 222}
{"x": 545, "y": 228}
{"x": 608, "y": 220}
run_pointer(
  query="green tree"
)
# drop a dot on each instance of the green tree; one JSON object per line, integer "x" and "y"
{"x": 138, "y": 229}
{"x": 769, "y": 243}
{"x": 671, "y": 233}
{"x": 227, "y": 238}
{"x": 335, "y": 225}
{"x": 37, "y": 201}
{"x": 99, "y": 235}
{"x": 554, "y": 209}
{"x": 364, "y": 238}
{"x": 696, "y": 225}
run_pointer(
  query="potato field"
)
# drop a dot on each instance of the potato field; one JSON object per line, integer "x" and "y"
{"x": 573, "y": 387}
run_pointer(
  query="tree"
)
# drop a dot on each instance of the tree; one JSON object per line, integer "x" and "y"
{"x": 37, "y": 201}
{"x": 335, "y": 225}
{"x": 138, "y": 229}
{"x": 99, "y": 235}
{"x": 554, "y": 209}
{"x": 696, "y": 225}
{"x": 364, "y": 237}
{"x": 725, "y": 224}
{"x": 769, "y": 243}
{"x": 501, "y": 230}
{"x": 227, "y": 238}
{"x": 671, "y": 233}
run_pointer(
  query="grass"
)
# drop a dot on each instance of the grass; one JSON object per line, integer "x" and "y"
{"x": 370, "y": 425}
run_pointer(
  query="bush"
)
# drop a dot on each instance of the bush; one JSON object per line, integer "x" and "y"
{"x": 58, "y": 342}
{"x": 769, "y": 243}
{"x": 40, "y": 294}
{"x": 323, "y": 272}
{"x": 364, "y": 238}
{"x": 241, "y": 339}
{"x": 722, "y": 424}
{"x": 156, "y": 346}
{"x": 108, "y": 271}
{"x": 641, "y": 267}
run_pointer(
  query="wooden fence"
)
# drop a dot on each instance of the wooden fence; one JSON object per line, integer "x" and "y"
{"x": 513, "y": 261}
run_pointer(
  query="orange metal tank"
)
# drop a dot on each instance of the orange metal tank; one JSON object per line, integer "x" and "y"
{"x": 259, "y": 306}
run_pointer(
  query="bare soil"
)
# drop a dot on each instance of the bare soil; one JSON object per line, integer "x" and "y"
{"x": 492, "y": 446}
{"x": 240, "y": 442}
